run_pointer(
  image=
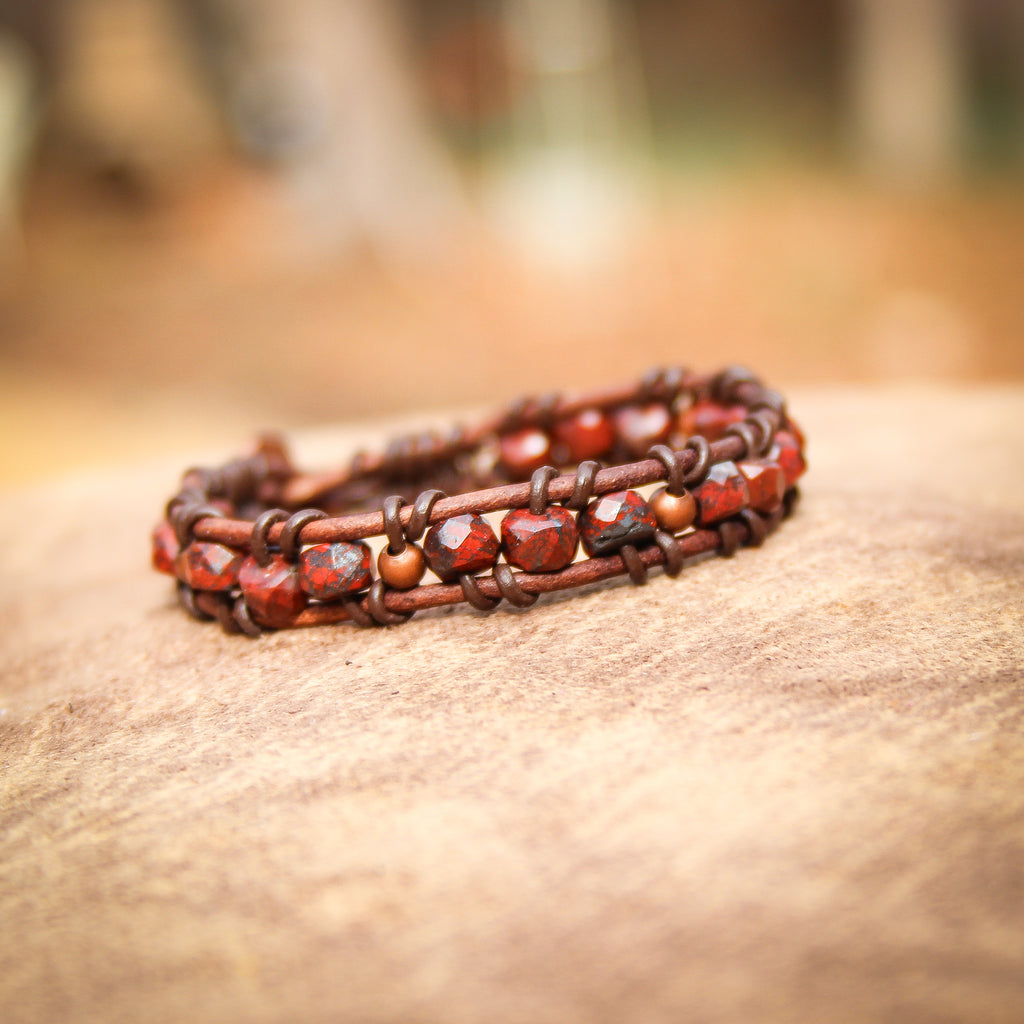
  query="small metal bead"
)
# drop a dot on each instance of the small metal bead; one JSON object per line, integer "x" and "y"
{"x": 404, "y": 570}
{"x": 674, "y": 512}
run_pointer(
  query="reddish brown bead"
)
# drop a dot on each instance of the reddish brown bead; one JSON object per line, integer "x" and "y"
{"x": 204, "y": 565}
{"x": 723, "y": 493}
{"x": 615, "y": 519}
{"x": 404, "y": 570}
{"x": 272, "y": 591}
{"x": 787, "y": 453}
{"x": 586, "y": 435}
{"x": 674, "y": 512}
{"x": 640, "y": 426}
{"x": 709, "y": 419}
{"x": 523, "y": 451}
{"x": 165, "y": 548}
{"x": 539, "y": 543}
{"x": 329, "y": 571}
{"x": 462, "y": 544}
{"x": 766, "y": 484}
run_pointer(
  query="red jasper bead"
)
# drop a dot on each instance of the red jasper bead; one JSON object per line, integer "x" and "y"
{"x": 462, "y": 544}
{"x": 640, "y": 426}
{"x": 766, "y": 484}
{"x": 709, "y": 419}
{"x": 329, "y": 571}
{"x": 539, "y": 543}
{"x": 204, "y": 565}
{"x": 523, "y": 451}
{"x": 615, "y": 519}
{"x": 787, "y": 453}
{"x": 722, "y": 494}
{"x": 587, "y": 435}
{"x": 272, "y": 591}
{"x": 165, "y": 548}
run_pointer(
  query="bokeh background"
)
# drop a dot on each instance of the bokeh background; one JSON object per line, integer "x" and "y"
{"x": 218, "y": 216}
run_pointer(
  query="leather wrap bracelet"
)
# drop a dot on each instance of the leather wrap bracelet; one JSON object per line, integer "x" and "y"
{"x": 255, "y": 544}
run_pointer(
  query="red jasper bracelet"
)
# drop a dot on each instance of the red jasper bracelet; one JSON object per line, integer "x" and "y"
{"x": 258, "y": 545}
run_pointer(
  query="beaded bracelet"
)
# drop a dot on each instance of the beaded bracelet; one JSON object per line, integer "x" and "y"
{"x": 258, "y": 545}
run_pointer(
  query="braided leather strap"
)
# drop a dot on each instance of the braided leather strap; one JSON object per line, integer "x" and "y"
{"x": 258, "y": 545}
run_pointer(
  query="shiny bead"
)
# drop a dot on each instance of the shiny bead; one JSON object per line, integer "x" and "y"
{"x": 539, "y": 543}
{"x": 615, "y": 519}
{"x": 523, "y": 451}
{"x": 787, "y": 453}
{"x": 272, "y": 591}
{"x": 710, "y": 420}
{"x": 165, "y": 548}
{"x": 674, "y": 512}
{"x": 462, "y": 544}
{"x": 204, "y": 565}
{"x": 640, "y": 426}
{"x": 723, "y": 493}
{"x": 329, "y": 571}
{"x": 404, "y": 570}
{"x": 586, "y": 435}
{"x": 766, "y": 483}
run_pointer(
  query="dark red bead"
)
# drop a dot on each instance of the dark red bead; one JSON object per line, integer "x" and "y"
{"x": 523, "y": 451}
{"x": 615, "y": 519}
{"x": 539, "y": 543}
{"x": 272, "y": 591}
{"x": 723, "y": 493}
{"x": 165, "y": 548}
{"x": 204, "y": 565}
{"x": 462, "y": 544}
{"x": 766, "y": 484}
{"x": 640, "y": 426}
{"x": 329, "y": 571}
{"x": 788, "y": 454}
{"x": 586, "y": 435}
{"x": 709, "y": 419}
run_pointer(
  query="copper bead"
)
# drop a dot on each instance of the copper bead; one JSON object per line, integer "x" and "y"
{"x": 674, "y": 512}
{"x": 404, "y": 570}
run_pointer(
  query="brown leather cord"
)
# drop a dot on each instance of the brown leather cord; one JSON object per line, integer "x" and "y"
{"x": 197, "y": 512}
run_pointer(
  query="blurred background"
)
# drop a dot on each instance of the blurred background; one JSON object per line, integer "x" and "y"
{"x": 218, "y": 216}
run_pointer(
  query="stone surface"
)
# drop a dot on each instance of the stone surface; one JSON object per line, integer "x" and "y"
{"x": 165, "y": 548}
{"x": 588, "y": 434}
{"x": 608, "y": 522}
{"x": 539, "y": 543}
{"x": 722, "y": 494}
{"x": 783, "y": 788}
{"x": 523, "y": 451}
{"x": 787, "y": 452}
{"x": 330, "y": 571}
{"x": 709, "y": 419}
{"x": 639, "y": 426}
{"x": 462, "y": 544}
{"x": 766, "y": 483}
{"x": 207, "y": 566}
{"x": 272, "y": 591}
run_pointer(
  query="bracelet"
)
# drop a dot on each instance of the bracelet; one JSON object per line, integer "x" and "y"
{"x": 255, "y": 544}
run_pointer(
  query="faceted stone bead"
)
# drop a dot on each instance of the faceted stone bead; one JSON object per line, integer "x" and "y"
{"x": 272, "y": 591}
{"x": 787, "y": 453}
{"x": 723, "y": 493}
{"x": 586, "y": 435}
{"x": 165, "y": 548}
{"x": 462, "y": 544}
{"x": 539, "y": 543}
{"x": 615, "y": 519}
{"x": 329, "y": 571}
{"x": 709, "y": 419}
{"x": 640, "y": 426}
{"x": 523, "y": 451}
{"x": 766, "y": 484}
{"x": 204, "y": 565}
